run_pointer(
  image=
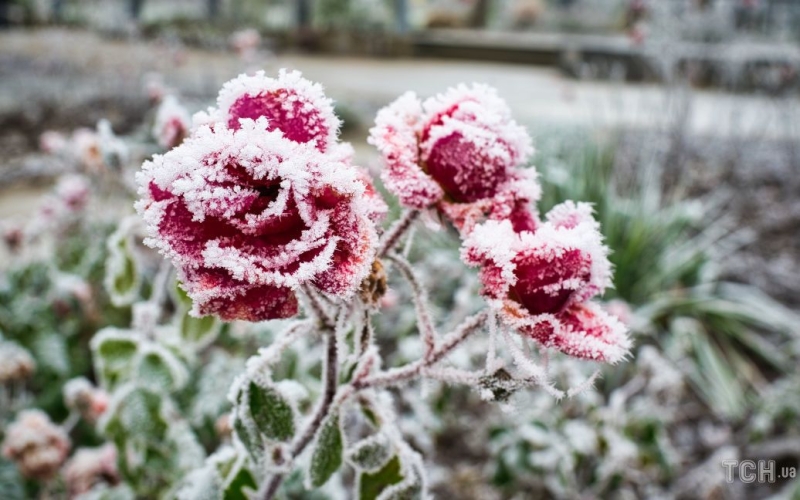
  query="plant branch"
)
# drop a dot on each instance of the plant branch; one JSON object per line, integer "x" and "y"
{"x": 426, "y": 328}
{"x": 330, "y": 384}
{"x": 396, "y": 232}
{"x": 417, "y": 368}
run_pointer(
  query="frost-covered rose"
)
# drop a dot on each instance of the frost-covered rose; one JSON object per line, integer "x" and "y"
{"x": 540, "y": 282}
{"x": 251, "y": 210}
{"x": 458, "y": 150}
{"x": 36, "y": 445}
{"x": 16, "y": 363}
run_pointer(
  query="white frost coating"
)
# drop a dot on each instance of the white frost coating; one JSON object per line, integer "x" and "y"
{"x": 311, "y": 94}
{"x": 177, "y": 370}
{"x": 480, "y": 103}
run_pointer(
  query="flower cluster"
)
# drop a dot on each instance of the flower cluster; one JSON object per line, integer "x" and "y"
{"x": 260, "y": 200}
{"x": 458, "y": 151}
{"x": 38, "y": 446}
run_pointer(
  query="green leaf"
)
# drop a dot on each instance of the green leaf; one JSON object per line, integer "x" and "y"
{"x": 161, "y": 371}
{"x": 114, "y": 351}
{"x": 327, "y": 455}
{"x": 370, "y": 485}
{"x": 271, "y": 413}
{"x": 199, "y": 331}
{"x": 239, "y": 485}
{"x": 138, "y": 413}
{"x": 122, "y": 280}
{"x": 370, "y": 454}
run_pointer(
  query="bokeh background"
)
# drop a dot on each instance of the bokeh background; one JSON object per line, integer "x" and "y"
{"x": 678, "y": 119}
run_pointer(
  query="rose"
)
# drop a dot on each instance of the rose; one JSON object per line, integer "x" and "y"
{"x": 251, "y": 210}
{"x": 457, "y": 151}
{"x": 540, "y": 282}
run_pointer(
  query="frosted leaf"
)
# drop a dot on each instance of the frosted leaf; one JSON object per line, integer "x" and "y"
{"x": 370, "y": 454}
{"x": 248, "y": 216}
{"x": 122, "y": 280}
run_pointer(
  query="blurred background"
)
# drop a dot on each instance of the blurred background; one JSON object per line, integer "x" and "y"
{"x": 678, "y": 119}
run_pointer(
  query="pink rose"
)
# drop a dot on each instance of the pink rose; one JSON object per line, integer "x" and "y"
{"x": 259, "y": 202}
{"x": 459, "y": 151}
{"x": 540, "y": 282}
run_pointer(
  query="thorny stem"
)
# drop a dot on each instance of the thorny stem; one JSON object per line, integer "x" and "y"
{"x": 394, "y": 233}
{"x": 330, "y": 383}
{"x": 315, "y": 303}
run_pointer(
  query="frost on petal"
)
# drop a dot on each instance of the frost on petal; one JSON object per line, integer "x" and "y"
{"x": 584, "y": 331}
{"x": 481, "y": 107}
{"x": 248, "y": 216}
{"x": 395, "y": 134}
{"x": 514, "y": 201}
{"x": 570, "y": 214}
{"x": 375, "y": 206}
{"x": 290, "y": 103}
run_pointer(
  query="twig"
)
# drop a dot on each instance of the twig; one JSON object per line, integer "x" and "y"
{"x": 394, "y": 233}
{"x": 426, "y": 328}
{"x": 413, "y": 370}
{"x": 330, "y": 383}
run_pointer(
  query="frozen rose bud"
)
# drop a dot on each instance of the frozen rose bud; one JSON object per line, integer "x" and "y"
{"x": 223, "y": 426}
{"x": 539, "y": 281}
{"x": 89, "y": 401}
{"x": 85, "y": 145}
{"x": 89, "y": 467}
{"x": 73, "y": 192}
{"x": 172, "y": 123}
{"x": 36, "y": 445}
{"x": 16, "y": 363}
{"x": 291, "y": 105}
{"x": 460, "y": 150}
{"x": 13, "y": 237}
{"x": 154, "y": 87}
{"x": 52, "y": 142}
{"x": 248, "y": 216}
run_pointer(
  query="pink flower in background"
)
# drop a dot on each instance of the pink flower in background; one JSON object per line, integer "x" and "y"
{"x": 36, "y": 445}
{"x": 458, "y": 150}
{"x": 246, "y": 42}
{"x": 52, "y": 142}
{"x": 172, "y": 123}
{"x": 251, "y": 210}
{"x": 539, "y": 282}
{"x": 89, "y": 401}
{"x": 73, "y": 192}
{"x": 91, "y": 466}
{"x": 86, "y": 150}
